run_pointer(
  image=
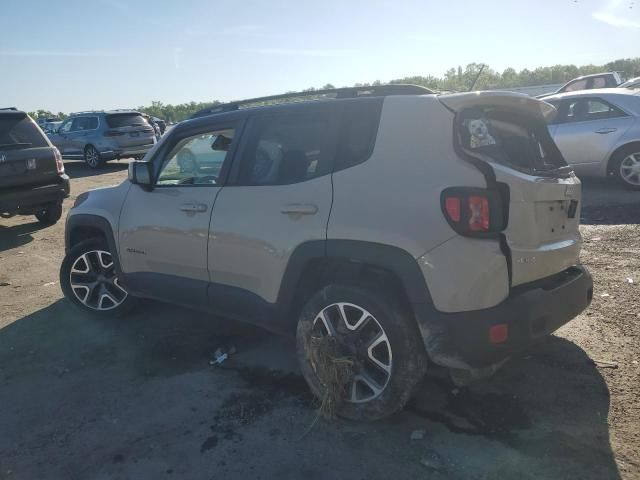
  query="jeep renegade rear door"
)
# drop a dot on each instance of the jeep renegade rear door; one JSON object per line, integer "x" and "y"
{"x": 544, "y": 195}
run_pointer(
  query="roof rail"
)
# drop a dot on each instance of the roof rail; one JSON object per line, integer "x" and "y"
{"x": 86, "y": 111}
{"x": 9, "y": 108}
{"x": 323, "y": 94}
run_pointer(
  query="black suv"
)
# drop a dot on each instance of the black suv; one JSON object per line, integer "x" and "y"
{"x": 32, "y": 178}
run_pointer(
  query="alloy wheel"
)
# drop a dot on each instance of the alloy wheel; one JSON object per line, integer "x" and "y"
{"x": 630, "y": 169}
{"x": 94, "y": 282}
{"x": 364, "y": 340}
{"x": 92, "y": 157}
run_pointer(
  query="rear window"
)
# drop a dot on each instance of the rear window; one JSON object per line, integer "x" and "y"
{"x": 510, "y": 139}
{"x": 117, "y": 120}
{"x": 18, "y": 131}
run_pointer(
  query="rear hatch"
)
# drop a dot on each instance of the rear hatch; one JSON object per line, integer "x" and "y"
{"x": 26, "y": 156}
{"x": 129, "y": 129}
{"x": 505, "y": 135}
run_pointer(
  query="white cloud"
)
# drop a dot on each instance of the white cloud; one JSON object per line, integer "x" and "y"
{"x": 611, "y": 15}
{"x": 302, "y": 52}
{"x": 58, "y": 53}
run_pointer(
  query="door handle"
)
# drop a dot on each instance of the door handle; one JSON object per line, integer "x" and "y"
{"x": 604, "y": 131}
{"x": 193, "y": 207}
{"x": 299, "y": 209}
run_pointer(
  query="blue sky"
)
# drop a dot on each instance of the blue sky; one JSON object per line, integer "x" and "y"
{"x": 73, "y": 55}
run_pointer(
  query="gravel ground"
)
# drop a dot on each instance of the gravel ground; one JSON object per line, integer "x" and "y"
{"x": 87, "y": 398}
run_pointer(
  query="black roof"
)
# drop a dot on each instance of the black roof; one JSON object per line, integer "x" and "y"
{"x": 324, "y": 94}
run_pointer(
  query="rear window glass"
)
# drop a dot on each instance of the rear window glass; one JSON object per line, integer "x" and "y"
{"x": 117, "y": 120}
{"x": 19, "y": 131}
{"x": 510, "y": 139}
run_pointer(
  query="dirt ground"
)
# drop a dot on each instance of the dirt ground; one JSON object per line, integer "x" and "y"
{"x": 87, "y": 398}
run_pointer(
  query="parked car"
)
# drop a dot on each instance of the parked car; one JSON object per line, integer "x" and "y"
{"x": 32, "y": 178}
{"x": 396, "y": 226}
{"x": 598, "y": 132}
{"x": 50, "y": 127}
{"x": 588, "y": 82}
{"x": 99, "y": 136}
{"x": 161, "y": 124}
{"x": 633, "y": 83}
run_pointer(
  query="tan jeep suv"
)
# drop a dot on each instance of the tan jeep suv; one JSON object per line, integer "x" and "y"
{"x": 403, "y": 226}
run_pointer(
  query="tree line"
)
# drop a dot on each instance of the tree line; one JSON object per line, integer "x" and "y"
{"x": 454, "y": 79}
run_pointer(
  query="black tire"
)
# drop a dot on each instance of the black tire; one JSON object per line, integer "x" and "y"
{"x": 50, "y": 214}
{"x": 616, "y": 166}
{"x": 407, "y": 356}
{"x": 87, "y": 247}
{"x": 92, "y": 157}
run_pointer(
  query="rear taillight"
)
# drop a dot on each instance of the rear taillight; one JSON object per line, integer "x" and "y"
{"x": 474, "y": 211}
{"x": 59, "y": 163}
{"x": 113, "y": 133}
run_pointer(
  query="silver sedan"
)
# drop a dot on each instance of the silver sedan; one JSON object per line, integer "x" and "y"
{"x": 598, "y": 132}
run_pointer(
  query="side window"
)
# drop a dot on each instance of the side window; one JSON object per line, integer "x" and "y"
{"x": 197, "y": 160}
{"x": 599, "y": 82}
{"x": 76, "y": 124}
{"x": 599, "y": 109}
{"x": 91, "y": 123}
{"x": 282, "y": 149}
{"x": 577, "y": 85}
{"x": 358, "y": 130}
{"x": 66, "y": 126}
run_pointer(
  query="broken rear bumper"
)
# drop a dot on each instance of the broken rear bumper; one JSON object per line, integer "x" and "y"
{"x": 532, "y": 311}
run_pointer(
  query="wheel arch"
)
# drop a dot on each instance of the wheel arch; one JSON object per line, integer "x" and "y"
{"x": 616, "y": 152}
{"x": 83, "y": 227}
{"x": 314, "y": 265}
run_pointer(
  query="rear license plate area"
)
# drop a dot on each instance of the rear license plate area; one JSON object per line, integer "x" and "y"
{"x": 135, "y": 134}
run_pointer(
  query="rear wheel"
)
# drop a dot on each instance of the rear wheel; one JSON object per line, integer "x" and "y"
{"x": 626, "y": 166}
{"x": 374, "y": 336}
{"x": 89, "y": 279}
{"x": 50, "y": 214}
{"x": 92, "y": 157}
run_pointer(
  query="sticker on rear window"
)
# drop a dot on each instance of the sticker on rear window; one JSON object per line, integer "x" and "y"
{"x": 479, "y": 133}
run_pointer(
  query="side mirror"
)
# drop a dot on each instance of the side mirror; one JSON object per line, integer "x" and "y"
{"x": 140, "y": 173}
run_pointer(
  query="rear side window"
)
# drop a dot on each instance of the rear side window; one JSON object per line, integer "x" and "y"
{"x": 286, "y": 148}
{"x": 511, "y": 139}
{"x": 117, "y": 120}
{"x": 18, "y": 131}
{"x": 357, "y": 134}
{"x": 575, "y": 86}
{"x": 586, "y": 109}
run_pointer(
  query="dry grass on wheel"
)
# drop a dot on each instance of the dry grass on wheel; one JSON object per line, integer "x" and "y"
{"x": 335, "y": 372}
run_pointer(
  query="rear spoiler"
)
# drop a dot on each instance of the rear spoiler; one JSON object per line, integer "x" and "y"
{"x": 529, "y": 106}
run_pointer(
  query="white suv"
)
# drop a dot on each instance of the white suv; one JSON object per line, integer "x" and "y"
{"x": 406, "y": 227}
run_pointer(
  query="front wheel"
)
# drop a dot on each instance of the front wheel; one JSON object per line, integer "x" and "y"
{"x": 360, "y": 350}
{"x": 89, "y": 279}
{"x": 50, "y": 214}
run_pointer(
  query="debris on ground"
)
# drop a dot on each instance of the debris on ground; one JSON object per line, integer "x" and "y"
{"x": 48, "y": 284}
{"x": 222, "y": 354}
{"x": 432, "y": 460}
{"x": 629, "y": 280}
{"x": 605, "y": 295}
{"x": 334, "y": 370}
{"x": 417, "y": 435}
{"x": 5, "y": 284}
{"x": 604, "y": 363}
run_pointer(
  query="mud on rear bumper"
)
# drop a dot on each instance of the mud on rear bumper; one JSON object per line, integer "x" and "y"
{"x": 532, "y": 311}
